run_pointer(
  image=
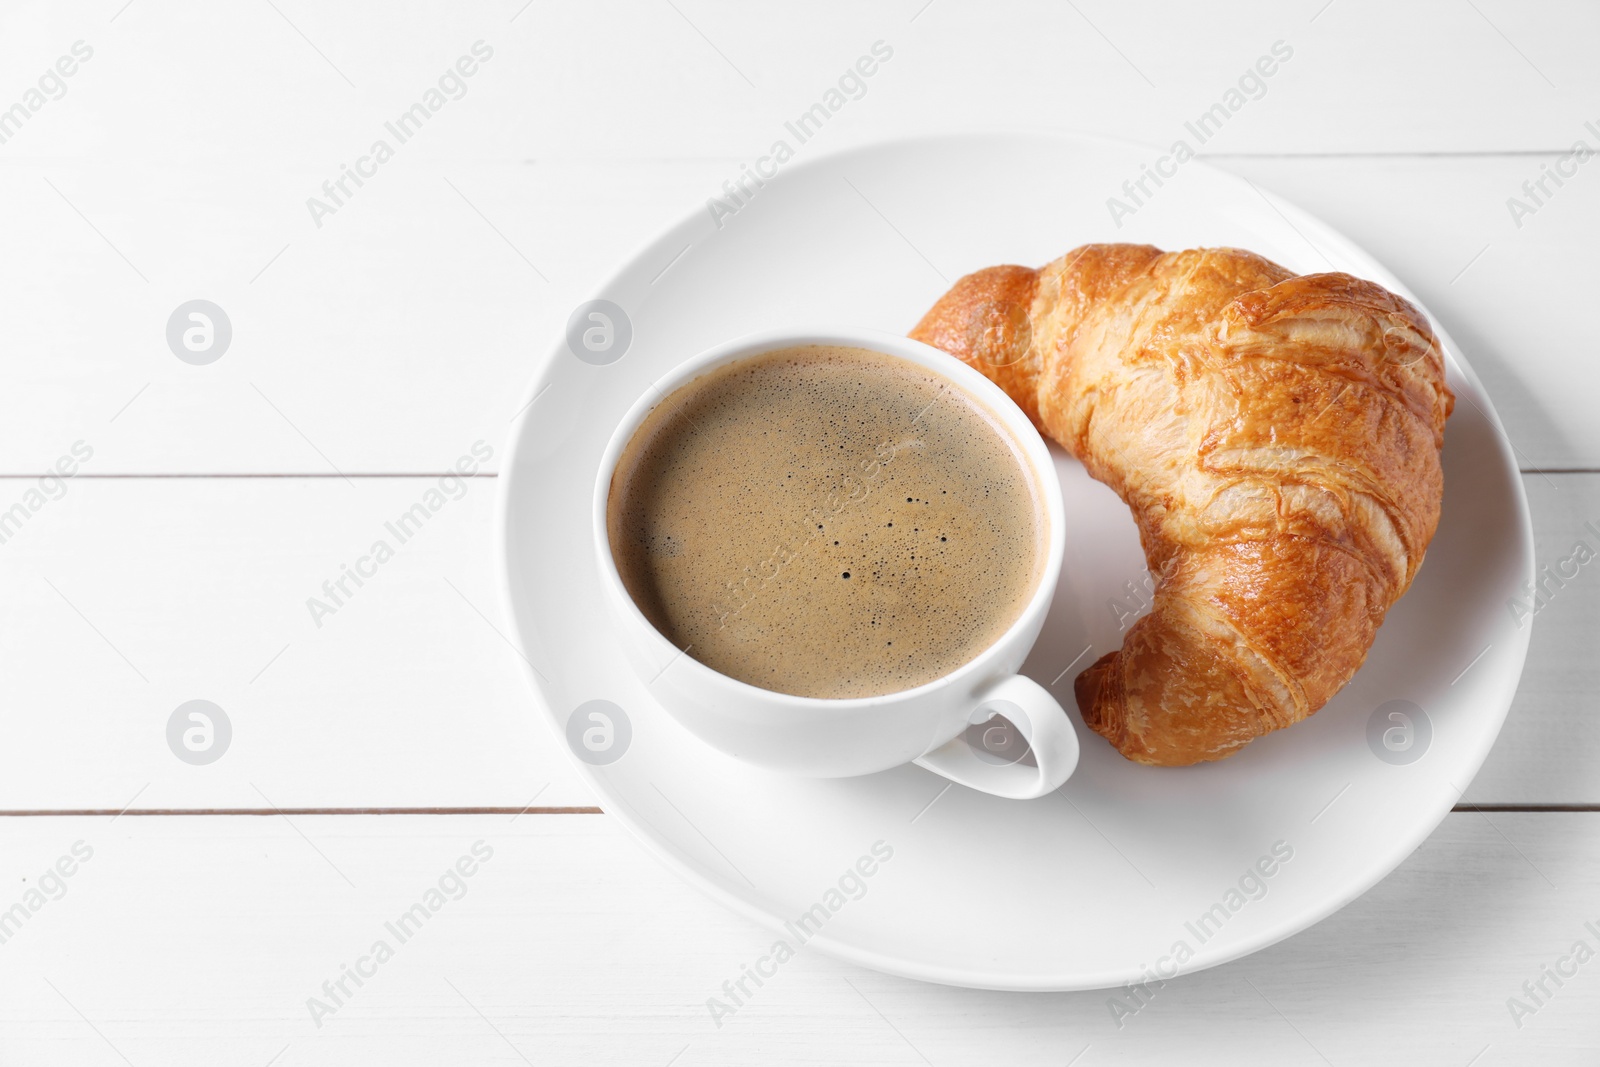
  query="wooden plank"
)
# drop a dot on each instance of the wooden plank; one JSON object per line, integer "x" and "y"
{"x": 409, "y": 324}
{"x": 1547, "y": 751}
{"x": 127, "y": 597}
{"x": 402, "y": 331}
{"x": 317, "y": 83}
{"x": 568, "y": 945}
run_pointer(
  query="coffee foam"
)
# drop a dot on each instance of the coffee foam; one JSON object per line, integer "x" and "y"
{"x": 826, "y": 522}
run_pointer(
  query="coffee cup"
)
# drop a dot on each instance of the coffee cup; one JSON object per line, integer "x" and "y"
{"x": 933, "y": 724}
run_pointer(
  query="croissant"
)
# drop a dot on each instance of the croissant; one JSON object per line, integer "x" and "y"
{"x": 1277, "y": 438}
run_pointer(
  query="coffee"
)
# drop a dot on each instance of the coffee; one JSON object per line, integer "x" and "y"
{"x": 826, "y": 522}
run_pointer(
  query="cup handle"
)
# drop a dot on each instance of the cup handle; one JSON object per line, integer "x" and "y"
{"x": 1036, "y": 714}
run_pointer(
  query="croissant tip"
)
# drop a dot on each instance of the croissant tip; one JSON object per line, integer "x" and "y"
{"x": 1097, "y": 707}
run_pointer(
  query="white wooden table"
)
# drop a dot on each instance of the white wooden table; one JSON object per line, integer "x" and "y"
{"x": 206, "y": 904}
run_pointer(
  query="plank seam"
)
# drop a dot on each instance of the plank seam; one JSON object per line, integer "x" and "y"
{"x": 29, "y": 813}
{"x": 26, "y": 813}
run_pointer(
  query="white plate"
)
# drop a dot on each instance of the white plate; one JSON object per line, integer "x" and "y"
{"x": 1091, "y": 886}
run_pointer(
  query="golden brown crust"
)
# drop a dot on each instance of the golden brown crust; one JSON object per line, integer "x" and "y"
{"x": 984, "y": 317}
{"x": 1277, "y": 438}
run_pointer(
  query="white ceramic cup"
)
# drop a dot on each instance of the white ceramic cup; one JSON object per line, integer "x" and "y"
{"x": 841, "y": 737}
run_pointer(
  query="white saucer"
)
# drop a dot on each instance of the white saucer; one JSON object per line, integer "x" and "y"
{"x": 1094, "y": 885}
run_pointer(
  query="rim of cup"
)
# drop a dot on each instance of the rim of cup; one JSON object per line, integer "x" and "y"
{"x": 974, "y": 384}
